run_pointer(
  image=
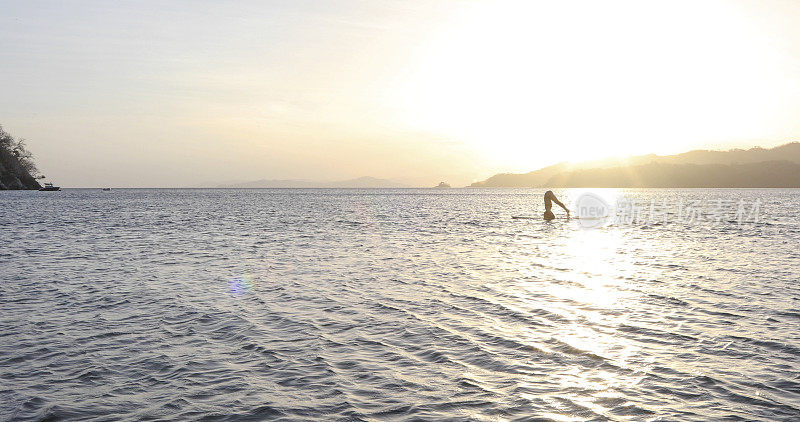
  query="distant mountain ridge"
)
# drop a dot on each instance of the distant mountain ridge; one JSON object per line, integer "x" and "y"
{"x": 361, "y": 182}
{"x": 766, "y": 174}
{"x": 755, "y": 167}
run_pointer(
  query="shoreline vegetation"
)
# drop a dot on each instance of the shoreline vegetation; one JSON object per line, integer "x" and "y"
{"x": 17, "y": 169}
{"x": 757, "y": 167}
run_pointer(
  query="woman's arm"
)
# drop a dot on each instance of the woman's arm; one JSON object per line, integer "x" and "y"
{"x": 560, "y": 204}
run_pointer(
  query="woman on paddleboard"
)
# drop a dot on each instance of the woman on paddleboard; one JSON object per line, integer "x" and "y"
{"x": 549, "y": 198}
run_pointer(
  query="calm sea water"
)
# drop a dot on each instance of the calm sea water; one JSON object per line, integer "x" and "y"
{"x": 394, "y": 305}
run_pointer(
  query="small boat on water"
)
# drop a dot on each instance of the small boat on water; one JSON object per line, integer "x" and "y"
{"x": 106, "y": 189}
{"x": 50, "y": 187}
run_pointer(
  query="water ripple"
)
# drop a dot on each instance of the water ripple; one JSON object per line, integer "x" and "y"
{"x": 390, "y": 305}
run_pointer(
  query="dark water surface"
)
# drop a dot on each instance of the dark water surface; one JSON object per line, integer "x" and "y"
{"x": 393, "y": 305}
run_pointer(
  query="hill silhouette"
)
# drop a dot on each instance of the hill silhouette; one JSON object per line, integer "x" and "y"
{"x": 755, "y": 167}
{"x": 773, "y": 174}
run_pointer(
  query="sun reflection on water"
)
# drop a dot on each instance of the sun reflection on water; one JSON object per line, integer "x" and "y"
{"x": 585, "y": 286}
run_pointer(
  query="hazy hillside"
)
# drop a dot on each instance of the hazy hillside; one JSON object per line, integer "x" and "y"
{"x": 699, "y": 168}
{"x": 787, "y": 152}
{"x": 361, "y": 182}
{"x": 533, "y": 179}
{"x": 777, "y": 174}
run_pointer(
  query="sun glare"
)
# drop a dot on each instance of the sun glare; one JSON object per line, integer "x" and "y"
{"x": 515, "y": 80}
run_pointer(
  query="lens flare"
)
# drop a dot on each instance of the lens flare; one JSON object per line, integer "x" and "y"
{"x": 240, "y": 285}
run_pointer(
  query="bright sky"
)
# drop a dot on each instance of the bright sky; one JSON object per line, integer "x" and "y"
{"x": 135, "y": 93}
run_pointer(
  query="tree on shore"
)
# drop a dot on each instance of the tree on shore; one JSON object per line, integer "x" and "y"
{"x": 17, "y": 168}
{"x": 18, "y": 149}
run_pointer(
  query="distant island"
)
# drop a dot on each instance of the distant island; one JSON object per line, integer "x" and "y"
{"x": 17, "y": 170}
{"x": 361, "y": 182}
{"x": 757, "y": 167}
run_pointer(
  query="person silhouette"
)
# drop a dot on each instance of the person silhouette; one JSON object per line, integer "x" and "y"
{"x": 549, "y": 198}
